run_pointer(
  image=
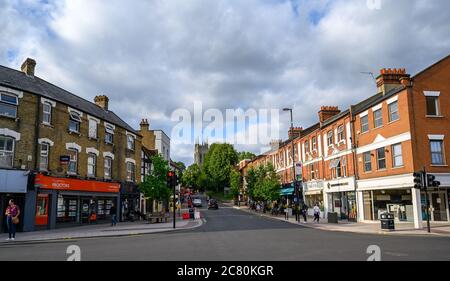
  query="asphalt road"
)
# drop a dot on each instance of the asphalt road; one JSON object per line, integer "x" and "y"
{"x": 231, "y": 235}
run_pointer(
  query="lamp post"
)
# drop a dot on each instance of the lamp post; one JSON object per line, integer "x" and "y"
{"x": 294, "y": 180}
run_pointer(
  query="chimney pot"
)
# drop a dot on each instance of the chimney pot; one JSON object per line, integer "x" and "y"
{"x": 28, "y": 67}
{"x": 390, "y": 79}
{"x": 102, "y": 101}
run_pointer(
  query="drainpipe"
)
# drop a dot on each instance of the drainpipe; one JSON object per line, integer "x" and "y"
{"x": 36, "y": 134}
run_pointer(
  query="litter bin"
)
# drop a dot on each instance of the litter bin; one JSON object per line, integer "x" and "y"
{"x": 332, "y": 217}
{"x": 387, "y": 222}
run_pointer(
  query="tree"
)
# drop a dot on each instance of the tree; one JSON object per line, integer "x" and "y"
{"x": 245, "y": 155}
{"x": 235, "y": 183}
{"x": 191, "y": 177}
{"x": 217, "y": 165}
{"x": 263, "y": 183}
{"x": 180, "y": 165}
{"x": 155, "y": 184}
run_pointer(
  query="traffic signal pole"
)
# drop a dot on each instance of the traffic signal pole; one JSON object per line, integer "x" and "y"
{"x": 425, "y": 182}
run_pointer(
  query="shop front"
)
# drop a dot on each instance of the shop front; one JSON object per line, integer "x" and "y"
{"x": 130, "y": 201}
{"x": 13, "y": 185}
{"x": 63, "y": 201}
{"x": 340, "y": 198}
{"x": 313, "y": 192}
{"x": 395, "y": 201}
{"x": 439, "y": 204}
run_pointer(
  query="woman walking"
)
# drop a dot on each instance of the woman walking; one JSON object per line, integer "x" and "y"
{"x": 12, "y": 218}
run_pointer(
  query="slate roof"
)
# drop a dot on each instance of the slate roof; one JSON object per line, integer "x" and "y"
{"x": 20, "y": 81}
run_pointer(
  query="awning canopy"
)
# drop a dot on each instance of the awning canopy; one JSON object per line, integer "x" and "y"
{"x": 287, "y": 191}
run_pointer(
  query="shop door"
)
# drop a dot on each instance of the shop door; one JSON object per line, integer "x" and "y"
{"x": 85, "y": 210}
{"x": 42, "y": 203}
{"x": 439, "y": 206}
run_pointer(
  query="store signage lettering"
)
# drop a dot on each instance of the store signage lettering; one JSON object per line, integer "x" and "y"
{"x": 46, "y": 182}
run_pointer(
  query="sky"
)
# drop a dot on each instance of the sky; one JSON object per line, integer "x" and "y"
{"x": 154, "y": 57}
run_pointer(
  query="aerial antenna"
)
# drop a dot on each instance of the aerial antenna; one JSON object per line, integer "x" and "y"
{"x": 371, "y": 74}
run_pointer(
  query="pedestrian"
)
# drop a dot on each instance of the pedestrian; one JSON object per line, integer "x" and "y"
{"x": 113, "y": 213}
{"x": 297, "y": 212}
{"x": 316, "y": 213}
{"x": 12, "y": 218}
{"x": 305, "y": 212}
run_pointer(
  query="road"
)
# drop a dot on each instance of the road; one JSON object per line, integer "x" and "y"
{"x": 230, "y": 235}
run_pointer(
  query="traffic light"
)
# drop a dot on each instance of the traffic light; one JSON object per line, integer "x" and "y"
{"x": 171, "y": 179}
{"x": 431, "y": 181}
{"x": 418, "y": 180}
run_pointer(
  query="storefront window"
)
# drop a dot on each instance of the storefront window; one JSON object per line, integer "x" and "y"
{"x": 397, "y": 202}
{"x": 67, "y": 209}
{"x": 367, "y": 202}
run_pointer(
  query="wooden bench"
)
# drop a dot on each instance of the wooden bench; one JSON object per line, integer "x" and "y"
{"x": 158, "y": 218}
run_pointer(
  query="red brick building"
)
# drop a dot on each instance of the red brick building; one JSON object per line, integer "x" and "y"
{"x": 360, "y": 162}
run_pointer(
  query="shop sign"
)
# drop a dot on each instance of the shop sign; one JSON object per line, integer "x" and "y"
{"x": 46, "y": 182}
{"x": 64, "y": 159}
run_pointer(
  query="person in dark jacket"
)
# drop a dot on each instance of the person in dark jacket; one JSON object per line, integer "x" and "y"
{"x": 113, "y": 212}
{"x": 305, "y": 212}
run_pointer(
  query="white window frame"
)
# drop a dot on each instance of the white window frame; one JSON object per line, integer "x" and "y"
{"x": 129, "y": 136}
{"x": 4, "y": 152}
{"x": 367, "y": 162}
{"x": 93, "y": 127}
{"x": 75, "y": 117}
{"x": 92, "y": 165}
{"x": 108, "y": 169}
{"x": 330, "y": 137}
{"x": 44, "y": 155}
{"x": 391, "y": 112}
{"x": 341, "y": 133}
{"x": 436, "y": 106}
{"x": 381, "y": 159}
{"x": 442, "y": 152}
{"x": 362, "y": 124}
{"x": 10, "y": 104}
{"x": 73, "y": 161}
{"x": 375, "y": 119}
{"x": 47, "y": 113}
{"x": 395, "y": 156}
{"x": 131, "y": 175}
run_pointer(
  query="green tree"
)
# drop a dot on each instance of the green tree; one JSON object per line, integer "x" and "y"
{"x": 245, "y": 155}
{"x": 180, "y": 165}
{"x": 155, "y": 184}
{"x": 191, "y": 177}
{"x": 235, "y": 183}
{"x": 263, "y": 183}
{"x": 217, "y": 165}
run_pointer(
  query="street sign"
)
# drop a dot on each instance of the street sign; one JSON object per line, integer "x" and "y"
{"x": 64, "y": 159}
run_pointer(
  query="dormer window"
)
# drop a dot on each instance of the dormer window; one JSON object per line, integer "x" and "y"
{"x": 74, "y": 122}
{"x": 8, "y": 105}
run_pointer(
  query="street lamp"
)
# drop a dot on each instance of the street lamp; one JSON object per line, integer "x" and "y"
{"x": 294, "y": 181}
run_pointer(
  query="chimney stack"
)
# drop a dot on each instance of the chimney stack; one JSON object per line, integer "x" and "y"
{"x": 326, "y": 112}
{"x": 28, "y": 67}
{"x": 295, "y": 132}
{"x": 144, "y": 125}
{"x": 390, "y": 79}
{"x": 102, "y": 101}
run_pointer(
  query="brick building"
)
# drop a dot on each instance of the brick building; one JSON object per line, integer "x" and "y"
{"x": 79, "y": 157}
{"x": 360, "y": 162}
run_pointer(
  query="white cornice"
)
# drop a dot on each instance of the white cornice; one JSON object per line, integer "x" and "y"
{"x": 12, "y": 91}
{"x": 383, "y": 143}
{"x": 46, "y": 140}
{"x": 10, "y": 133}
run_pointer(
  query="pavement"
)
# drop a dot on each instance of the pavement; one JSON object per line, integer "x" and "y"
{"x": 229, "y": 234}
{"x": 401, "y": 228}
{"x": 100, "y": 230}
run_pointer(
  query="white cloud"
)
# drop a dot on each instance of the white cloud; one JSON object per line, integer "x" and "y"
{"x": 151, "y": 57}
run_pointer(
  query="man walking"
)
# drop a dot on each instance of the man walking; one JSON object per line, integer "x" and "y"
{"x": 316, "y": 213}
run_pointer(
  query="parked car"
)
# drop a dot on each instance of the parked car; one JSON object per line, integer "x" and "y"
{"x": 212, "y": 204}
{"x": 197, "y": 202}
